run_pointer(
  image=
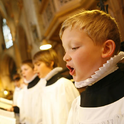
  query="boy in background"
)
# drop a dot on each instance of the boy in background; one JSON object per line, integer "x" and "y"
{"x": 17, "y": 96}
{"x": 58, "y": 92}
{"x": 30, "y": 93}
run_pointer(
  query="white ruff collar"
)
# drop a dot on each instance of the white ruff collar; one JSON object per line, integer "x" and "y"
{"x": 28, "y": 81}
{"x": 53, "y": 72}
{"x": 107, "y": 68}
{"x": 43, "y": 81}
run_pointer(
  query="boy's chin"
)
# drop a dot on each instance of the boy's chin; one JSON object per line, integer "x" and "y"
{"x": 76, "y": 79}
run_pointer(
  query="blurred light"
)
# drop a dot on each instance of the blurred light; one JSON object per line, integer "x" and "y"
{"x": 6, "y": 92}
{"x": 45, "y": 45}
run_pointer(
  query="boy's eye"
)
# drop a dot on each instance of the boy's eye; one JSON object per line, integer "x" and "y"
{"x": 38, "y": 64}
{"x": 74, "y": 48}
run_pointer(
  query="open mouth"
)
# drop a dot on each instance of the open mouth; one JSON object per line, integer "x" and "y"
{"x": 71, "y": 70}
{"x": 38, "y": 74}
{"x": 24, "y": 76}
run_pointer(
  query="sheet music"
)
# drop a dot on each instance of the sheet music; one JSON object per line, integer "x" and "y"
{"x": 6, "y": 104}
{"x": 7, "y": 117}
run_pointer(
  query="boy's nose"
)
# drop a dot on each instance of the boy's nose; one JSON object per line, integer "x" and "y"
{"x": 22, "y": 72}
{"x": 66, "y": 57}
{"x": 35, "y": 69}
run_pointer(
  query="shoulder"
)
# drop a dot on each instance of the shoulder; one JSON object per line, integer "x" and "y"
{"x": 67, "y": 86}
{"x": 75, "y": 105}
{"x": 64, "y": 79}
{"x": 76, "y": 102}
{"x": 65, "y": 82}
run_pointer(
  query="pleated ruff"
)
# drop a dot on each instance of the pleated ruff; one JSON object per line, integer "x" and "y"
{"x": 107, "y": 68}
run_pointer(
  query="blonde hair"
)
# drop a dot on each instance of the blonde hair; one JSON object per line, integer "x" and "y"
{"x": 98, "y": 25}
{"x": 28, "y": 62}
{"x": 47, "y": 56}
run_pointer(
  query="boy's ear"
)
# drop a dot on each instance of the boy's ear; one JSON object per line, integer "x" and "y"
{"x": 52, "y": 63}
{"x": 108, "y": 48}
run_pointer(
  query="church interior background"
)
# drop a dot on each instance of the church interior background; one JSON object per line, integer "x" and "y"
{"x": 25, "y": 24}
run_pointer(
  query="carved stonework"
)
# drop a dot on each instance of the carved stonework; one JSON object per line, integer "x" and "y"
{"x": 63, "y": 2}
{"x": 66, "y": 4}
{"x": 48, "y": 14}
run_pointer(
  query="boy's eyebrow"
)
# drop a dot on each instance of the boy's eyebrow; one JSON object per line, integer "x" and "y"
{"x": 36, "y": 62}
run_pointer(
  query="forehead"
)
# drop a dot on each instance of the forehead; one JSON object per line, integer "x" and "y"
{"x": 73, "y": 34}
{"x": 73, "y": 28}
{"x": 42, "y": 63}
{"x": 25, "y": 66}
{"x": 37, "y": 62}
